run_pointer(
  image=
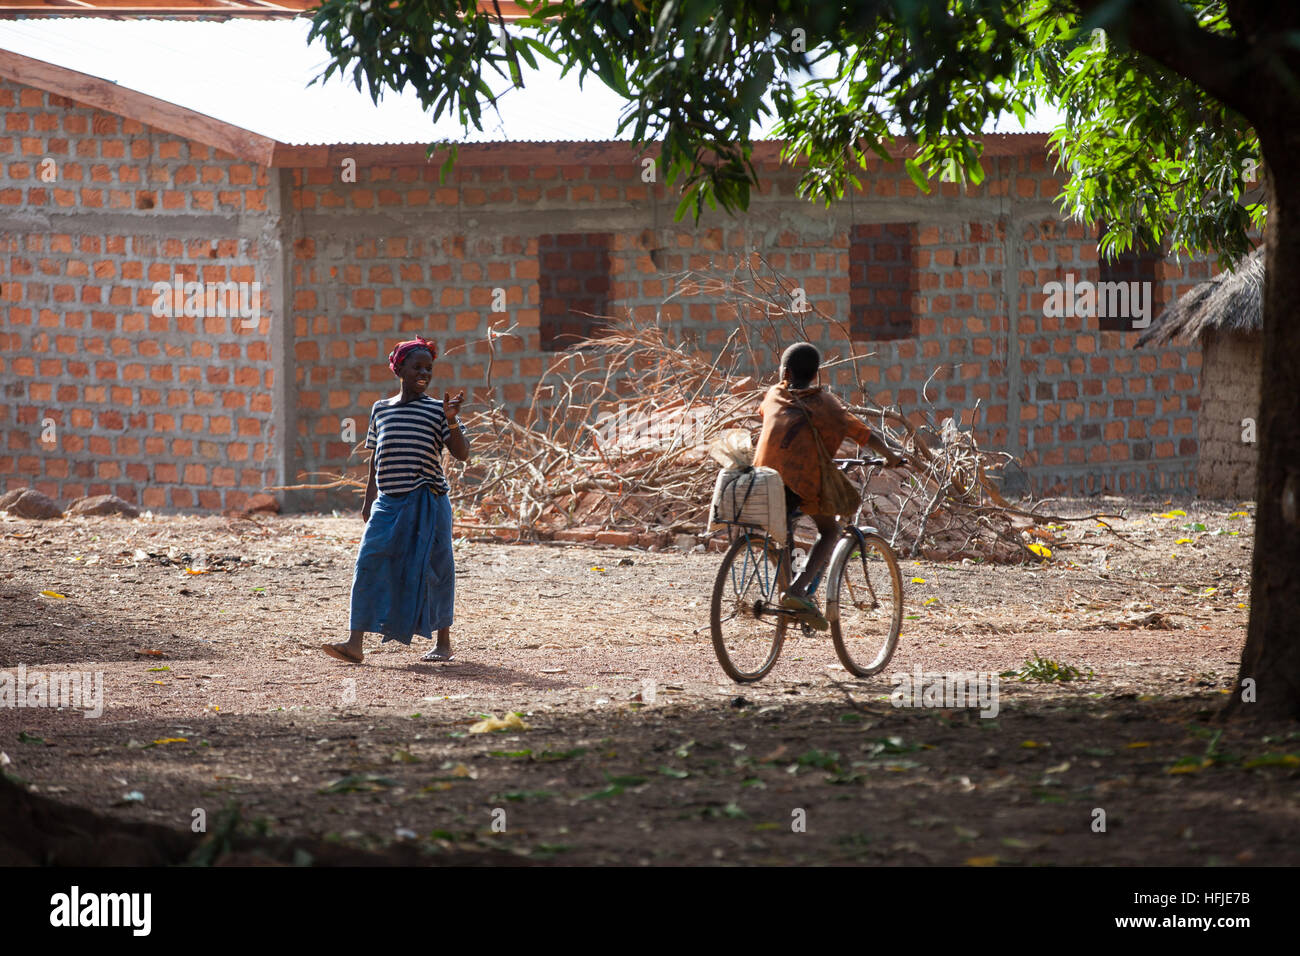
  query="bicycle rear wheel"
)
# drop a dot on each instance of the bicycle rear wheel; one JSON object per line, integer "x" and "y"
{"x": 865, "y": 605}
{"x": 745, "y": 619}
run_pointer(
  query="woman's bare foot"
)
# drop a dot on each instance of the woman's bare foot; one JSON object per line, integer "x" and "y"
{"x": 443, "y": 651}
{"x": 344, "y": 652}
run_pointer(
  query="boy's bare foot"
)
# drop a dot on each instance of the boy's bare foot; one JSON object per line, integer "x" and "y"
{"x": 343, "y": 652}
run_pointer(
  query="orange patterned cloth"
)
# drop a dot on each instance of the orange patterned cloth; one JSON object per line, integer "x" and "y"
{"x": 787, "y": 445}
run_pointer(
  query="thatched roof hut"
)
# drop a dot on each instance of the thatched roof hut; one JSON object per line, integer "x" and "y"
{"x": 1230, "y": 302}
{"x": 1225, "y": 315}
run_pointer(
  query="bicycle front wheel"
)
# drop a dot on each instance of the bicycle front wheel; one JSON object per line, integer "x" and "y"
{"x": 745, "y": 618}
{"x": 865, "y": 607}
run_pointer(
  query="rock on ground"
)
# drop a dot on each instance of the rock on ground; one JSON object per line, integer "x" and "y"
{"x": 262, "y": 502}
{"x": 9, "y": 497}
{"x": 33, "y": 504}
{"x": 103, "y": 505}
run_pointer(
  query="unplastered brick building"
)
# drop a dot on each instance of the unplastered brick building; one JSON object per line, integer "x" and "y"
{"x": 198, "y": 304}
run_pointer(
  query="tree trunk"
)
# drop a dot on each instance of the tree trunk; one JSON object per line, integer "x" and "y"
{"x": 1270, "y": 663}
{"x": 1253, "y": 72}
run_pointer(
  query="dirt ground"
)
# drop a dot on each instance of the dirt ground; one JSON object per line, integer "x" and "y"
{"x": 217, "y": 696}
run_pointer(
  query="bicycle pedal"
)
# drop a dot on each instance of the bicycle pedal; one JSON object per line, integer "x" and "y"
{"x": 816, "y": 623}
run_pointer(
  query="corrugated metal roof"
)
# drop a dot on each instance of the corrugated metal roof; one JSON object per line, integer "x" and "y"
{"x": 256, "y": 75}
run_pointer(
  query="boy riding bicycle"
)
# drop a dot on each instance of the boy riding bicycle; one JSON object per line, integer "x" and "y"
{"x": 787, "y": 445}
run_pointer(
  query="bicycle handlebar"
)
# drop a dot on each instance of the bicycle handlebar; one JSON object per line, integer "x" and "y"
{"x": 847, "y": 463}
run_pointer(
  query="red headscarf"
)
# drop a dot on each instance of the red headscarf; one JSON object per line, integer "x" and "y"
{"x": 396, "y": 356}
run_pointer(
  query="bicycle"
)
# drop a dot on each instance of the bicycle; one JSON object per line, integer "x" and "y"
{"x": 748, "y": 624}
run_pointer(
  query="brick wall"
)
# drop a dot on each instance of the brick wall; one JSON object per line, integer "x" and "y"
{"x": 168, "y": 412}
{"x": 351, "y": 267}
{"x": 1095, "y": 412}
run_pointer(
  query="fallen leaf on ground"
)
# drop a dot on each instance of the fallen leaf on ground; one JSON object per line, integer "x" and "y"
{"x": 493, "y": 723}
{"x": 359, "y": 783}
{"x": 1273, "y": 760}
{"x": 1191, "y": 765}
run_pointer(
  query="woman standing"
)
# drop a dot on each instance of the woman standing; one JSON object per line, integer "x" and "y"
{"x": 405, "y": 578}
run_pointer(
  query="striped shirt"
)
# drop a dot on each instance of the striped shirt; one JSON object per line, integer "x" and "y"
{"x": 408, "y": 441}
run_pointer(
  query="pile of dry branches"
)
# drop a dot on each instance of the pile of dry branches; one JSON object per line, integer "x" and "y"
{"x": 614, "y": 437}
{"x": 617, "y": 431}
{"x": 944, "y": 504}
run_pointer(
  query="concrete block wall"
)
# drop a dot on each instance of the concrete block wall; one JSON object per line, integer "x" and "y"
{"x": 1094, "y": 411}
{"x": 355, "y": 297}
{"x": 349, "y": 268}
{"x": 168, "y": 412}
{"x": 1086, "y": 409}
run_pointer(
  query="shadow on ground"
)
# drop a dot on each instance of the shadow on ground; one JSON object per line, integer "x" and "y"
{"x": 1062, "y": 779}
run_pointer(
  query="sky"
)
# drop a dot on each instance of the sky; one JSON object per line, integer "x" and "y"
{"x": 256, "y": 75}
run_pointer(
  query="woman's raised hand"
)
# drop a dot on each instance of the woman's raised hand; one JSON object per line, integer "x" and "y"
{"x": 451, "y": 406}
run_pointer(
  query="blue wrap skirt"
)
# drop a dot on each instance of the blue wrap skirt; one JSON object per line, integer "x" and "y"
{"x": 405, "y": 579}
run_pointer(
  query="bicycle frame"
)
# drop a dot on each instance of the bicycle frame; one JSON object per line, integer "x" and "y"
{"x": 754, "y": 536}
{"x": 762, "y": 569}
{"x": 754, "y": 558}
{"x": 852, "y": 530}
